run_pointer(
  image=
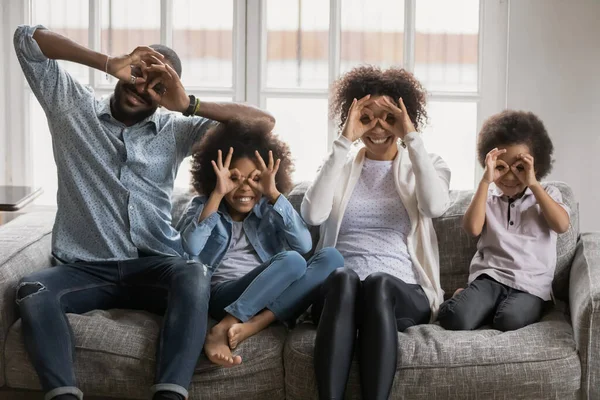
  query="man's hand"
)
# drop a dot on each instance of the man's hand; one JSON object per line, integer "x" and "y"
{"x": 131, "y": 68}
{"x": 171, "y": 94}
{"x": 524, "y": 170}
{"x": 360, "y": 119}
{"x": 494, "y": 168}
{"x": 263, "y": 179}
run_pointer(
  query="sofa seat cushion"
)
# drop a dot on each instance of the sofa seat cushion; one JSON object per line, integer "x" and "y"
{"x": 115, "y": 355}
{"x": 537, "y": 362}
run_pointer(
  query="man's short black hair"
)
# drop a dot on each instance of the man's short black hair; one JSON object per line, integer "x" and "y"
{"x": 170, "y": 55}
{"x": 512, "y": 127}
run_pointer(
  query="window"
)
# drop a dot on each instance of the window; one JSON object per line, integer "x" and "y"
{"x": 283, "y": 55}
{"x": 372, "y": 32}
{"x": 436, "y": 39}
{"x": 446, "y": 60}
{"x": 205, "y": 46}
{"x": 296, "y": 78}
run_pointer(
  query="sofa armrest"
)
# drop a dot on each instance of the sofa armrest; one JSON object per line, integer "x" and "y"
{"x": 25, "y": 247}
{"x": 584, "y": 302}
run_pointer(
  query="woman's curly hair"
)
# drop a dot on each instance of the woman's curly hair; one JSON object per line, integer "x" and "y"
{"x": 512, "y": 127}
{"x": 245, "y": 140}
{"x": 368, "y": 79}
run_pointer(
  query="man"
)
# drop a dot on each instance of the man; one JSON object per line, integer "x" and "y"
{"x": 117, "y": 159}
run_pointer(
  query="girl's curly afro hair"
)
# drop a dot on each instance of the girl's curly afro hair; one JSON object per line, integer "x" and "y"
{"x": 368, "y": 79}
{"x": 245, "y": 140}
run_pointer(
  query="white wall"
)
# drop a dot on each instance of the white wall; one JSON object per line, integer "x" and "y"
{"x": 3, "y": 94}
{"x": 554, "y": 71}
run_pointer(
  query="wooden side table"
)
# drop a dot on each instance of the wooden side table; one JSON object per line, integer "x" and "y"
{"x": 14, "y": 198}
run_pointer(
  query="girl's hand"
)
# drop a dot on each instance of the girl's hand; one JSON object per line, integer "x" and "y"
{"x": 227, "y": 180}
{"x": 397, "y": 122}
{"x": 263, "y": 179}
{"x": 524, "y": 170}
{"x": 360, "y": 119}
{"x": 494, "y": 168}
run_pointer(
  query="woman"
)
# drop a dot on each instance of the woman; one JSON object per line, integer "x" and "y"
{"x": 375, "y": 206}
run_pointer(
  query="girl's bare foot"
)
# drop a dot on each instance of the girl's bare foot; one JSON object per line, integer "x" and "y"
{"x": 239, "y": 332}
{"x": 216, "y": 344}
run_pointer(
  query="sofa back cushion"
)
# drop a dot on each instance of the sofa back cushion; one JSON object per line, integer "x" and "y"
{"x": 455, "y": 246}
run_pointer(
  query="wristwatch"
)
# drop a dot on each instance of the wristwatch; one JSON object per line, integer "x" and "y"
{"x": 190, "y": 110}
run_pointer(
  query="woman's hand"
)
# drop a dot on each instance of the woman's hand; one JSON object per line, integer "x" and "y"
{"x": 360, "y": 119}
{"x": 399, "y": 124}
{"x": 494, "y": 168}
{"x": 227, "y": 180}
{"x": 263, "y": 179}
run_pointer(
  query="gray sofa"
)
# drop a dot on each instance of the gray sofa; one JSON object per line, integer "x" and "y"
{"x": 557, "y": 358}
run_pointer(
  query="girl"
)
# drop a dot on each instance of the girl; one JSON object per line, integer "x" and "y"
{"x": 240, "y": 226}
{"x": 518, "y": 220}
{"x": 375, "y": 206}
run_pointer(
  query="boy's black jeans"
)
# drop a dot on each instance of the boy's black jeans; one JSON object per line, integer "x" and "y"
{"x": 485, "y": 301}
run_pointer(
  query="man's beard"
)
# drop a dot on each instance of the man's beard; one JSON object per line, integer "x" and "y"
{"x": 123, "y": 113}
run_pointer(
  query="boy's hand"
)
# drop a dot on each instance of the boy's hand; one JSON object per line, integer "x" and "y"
{"x": 227, "y": 180}
{"x": 263, "y": 179}
{"x": 494, "y": 168}
{"x": 524, "y": 170}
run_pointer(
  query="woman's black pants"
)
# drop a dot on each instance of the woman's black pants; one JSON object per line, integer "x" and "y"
{"x": 377, "y": 308}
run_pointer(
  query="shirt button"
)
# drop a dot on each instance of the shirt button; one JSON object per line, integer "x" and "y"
{"x": 512, "y": 205}
{"x": 131, "y": 207}
{"x": 512, "y": 223}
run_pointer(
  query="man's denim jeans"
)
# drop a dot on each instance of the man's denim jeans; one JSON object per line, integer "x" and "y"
{"x": 172, "y": 286}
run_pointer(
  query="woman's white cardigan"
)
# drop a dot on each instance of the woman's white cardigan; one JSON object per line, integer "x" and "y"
{"x": 422, "y": 181}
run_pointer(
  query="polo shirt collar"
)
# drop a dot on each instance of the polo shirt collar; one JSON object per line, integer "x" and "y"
{"x": 495, "y": 191}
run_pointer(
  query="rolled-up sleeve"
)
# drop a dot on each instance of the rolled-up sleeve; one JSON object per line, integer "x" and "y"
{"x": 557, "y": 197}
{"x": 55, "y": 89}
{"x": 194, "y": 234}
{"x": 189, "y": 131}
{"x": 290, "y": 223}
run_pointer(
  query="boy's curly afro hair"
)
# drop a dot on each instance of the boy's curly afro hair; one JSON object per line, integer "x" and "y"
{"x": 512, "y": 127}
{"x": 392, "y": 82}
{"x": 245, "y": 140}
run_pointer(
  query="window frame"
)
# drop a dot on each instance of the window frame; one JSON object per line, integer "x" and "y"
{"x": 490, "y": 96}
{"x": 248, "y": 70}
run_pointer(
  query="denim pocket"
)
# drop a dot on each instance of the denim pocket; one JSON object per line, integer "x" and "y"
{"x": 215, "y": 245}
